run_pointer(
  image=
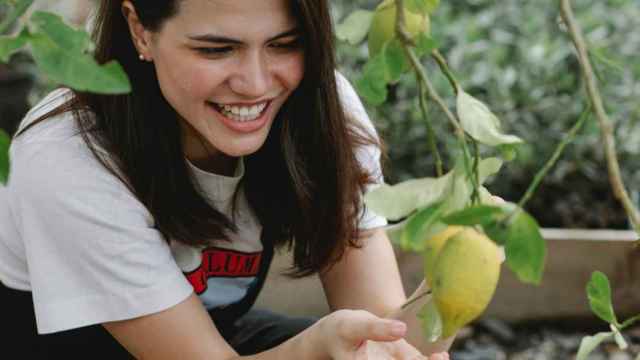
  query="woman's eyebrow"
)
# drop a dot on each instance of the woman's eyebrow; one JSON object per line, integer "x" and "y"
{"x": 226, "y": 40}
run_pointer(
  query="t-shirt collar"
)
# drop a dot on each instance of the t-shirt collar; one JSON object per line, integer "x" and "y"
{"x": 218, "y": 188}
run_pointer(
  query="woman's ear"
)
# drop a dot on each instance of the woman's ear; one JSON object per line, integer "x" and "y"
{"x": 141, "y": 37}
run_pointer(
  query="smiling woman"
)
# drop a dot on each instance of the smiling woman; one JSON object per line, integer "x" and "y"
{"x": 144, "y": 224}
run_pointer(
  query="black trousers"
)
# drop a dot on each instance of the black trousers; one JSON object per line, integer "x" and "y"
{"x": 256, "y": 331}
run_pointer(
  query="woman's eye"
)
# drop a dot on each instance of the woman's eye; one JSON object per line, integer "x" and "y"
{"x": 214, "y": 50}
{"x": 293, "y": 44}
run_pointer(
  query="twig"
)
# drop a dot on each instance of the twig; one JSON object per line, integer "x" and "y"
{"x": 431, "y": 138}
{"x": 444, "y": 67}
{"x": 606, "y": 128}
{"x": 568, "y": 138}
{"x": 411, "y": 301}
{"x": 407, "y": 45}
{"x": 13, "y": 16}
{"x": 475, "y": 177}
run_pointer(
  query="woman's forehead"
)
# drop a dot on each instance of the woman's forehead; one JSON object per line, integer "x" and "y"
{"x": 238, "y": 18}
{"x": 274, "y": 10}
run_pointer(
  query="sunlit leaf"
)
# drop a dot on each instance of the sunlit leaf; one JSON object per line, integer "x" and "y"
{"x": 398, "y": 201}
{"x": 355, "y": 27}
{"x": 599, "y": 294}
{"x": 480, "y": 123}
{"x": 422, "y": 6}
{"x": 589, "y": 343}
{"x": 461, "y": 190}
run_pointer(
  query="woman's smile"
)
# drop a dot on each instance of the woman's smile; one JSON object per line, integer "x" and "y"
{"x": 242, "y": 118}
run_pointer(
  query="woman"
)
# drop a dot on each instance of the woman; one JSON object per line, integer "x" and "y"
{"x": 154, "y": 215}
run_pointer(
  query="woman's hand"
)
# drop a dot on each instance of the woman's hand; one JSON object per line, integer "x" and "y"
{"x": 399, "y": 349}
{"x": 360, "y": 335}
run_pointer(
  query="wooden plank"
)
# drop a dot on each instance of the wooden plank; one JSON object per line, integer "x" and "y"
{"x": 572, "y": 256}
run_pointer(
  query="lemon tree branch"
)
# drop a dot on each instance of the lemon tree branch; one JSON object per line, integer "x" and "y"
{"x": 606, "y": 127}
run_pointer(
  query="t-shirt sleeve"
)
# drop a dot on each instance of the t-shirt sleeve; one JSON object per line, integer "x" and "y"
{"x": 369, "y": 155}
{"x": 93, "y": 254}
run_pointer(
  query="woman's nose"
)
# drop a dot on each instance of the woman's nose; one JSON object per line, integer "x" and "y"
{"x": 252, "y": 77}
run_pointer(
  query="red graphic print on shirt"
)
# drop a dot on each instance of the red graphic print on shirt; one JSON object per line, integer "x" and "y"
{"x": 217, "y": 262}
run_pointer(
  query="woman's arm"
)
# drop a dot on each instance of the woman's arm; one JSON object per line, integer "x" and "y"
{"x": 368, "y": 278}
{"x": 186, "y": 332}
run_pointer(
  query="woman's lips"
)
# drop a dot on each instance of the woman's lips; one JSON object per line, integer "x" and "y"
{"x": 242, "y": 126}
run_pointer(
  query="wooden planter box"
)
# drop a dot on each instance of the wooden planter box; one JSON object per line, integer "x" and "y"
{"x": 572, "y": 256}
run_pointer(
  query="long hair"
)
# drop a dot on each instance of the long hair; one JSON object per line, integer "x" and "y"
{"x": 304, "y": 184}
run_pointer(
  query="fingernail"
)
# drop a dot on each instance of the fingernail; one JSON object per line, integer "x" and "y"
{"x": 398, "y": 328}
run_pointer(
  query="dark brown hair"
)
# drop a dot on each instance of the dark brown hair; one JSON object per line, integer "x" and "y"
{"x": 304, "y": 184}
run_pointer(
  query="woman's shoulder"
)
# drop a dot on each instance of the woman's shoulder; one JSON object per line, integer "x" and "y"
{"x": 58, "y": 127}
{"x": 352, "y": 104}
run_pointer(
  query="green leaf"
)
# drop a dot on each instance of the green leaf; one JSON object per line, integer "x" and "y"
{"x": 478, "y": 214}
{"x": 431, "y": 321}
{"x": 355, "y": 27}
{"x": 395, "y": 61}
{"x": 508, "y": 151}
{"x": 66, "y": 37}
{"x": 617, "y": 336}
{"x": 19, "y": 8}
{"x": 398, "y": 201}
{"x": 589, "y": 343}
{"x": 599, "y": 294}
{"x": 460, "y": 192}
{"x": 480, "y": 123}
{"x": 425, "y": 44}
{"x": 5, "y": 141}
{"x": 77, "y": 70}
{"x": 372, "y": 86}
{"x": 524, "y": 245}
{"x": 630, "y": 321}
{"x": 10, "y": 44}
{"x": 421, "y": 226}
{"x": 422, "y": 6}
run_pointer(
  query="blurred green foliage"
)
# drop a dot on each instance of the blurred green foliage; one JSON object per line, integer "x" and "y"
{"x": 515, "y": 56}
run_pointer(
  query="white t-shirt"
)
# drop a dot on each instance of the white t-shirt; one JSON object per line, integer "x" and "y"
{"x": 88, "y": 250}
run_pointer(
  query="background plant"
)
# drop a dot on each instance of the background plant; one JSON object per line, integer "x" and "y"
{"x": 421, "y": 202}
{"x": 61, "y": 52}
{"x": 524, "y": 67}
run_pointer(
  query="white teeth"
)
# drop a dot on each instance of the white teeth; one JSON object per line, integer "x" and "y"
{"x": 243, "y": 113}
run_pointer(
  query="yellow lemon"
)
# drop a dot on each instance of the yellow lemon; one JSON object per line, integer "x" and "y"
{"x": 465, "y": 277}
{"x": 432, "y": 248}
{"x": 384, "y": 22}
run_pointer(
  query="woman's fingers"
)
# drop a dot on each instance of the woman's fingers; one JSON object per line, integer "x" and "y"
{"x": 439, "y": 356}
{"x": 362, "y": 325}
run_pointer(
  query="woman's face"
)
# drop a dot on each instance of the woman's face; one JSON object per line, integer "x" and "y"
{"x": 227, "y": 67}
